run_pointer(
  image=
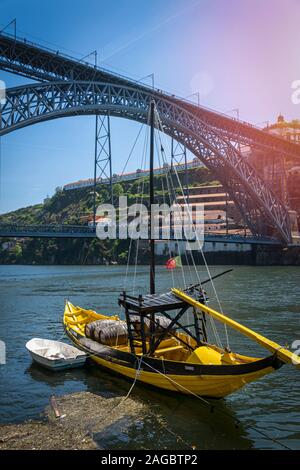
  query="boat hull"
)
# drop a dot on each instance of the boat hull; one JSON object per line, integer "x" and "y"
{"x": 205, "y": 385}
{"x": 202, "y": 380}
{"x": 58, "y": 364}
{"x": 55, "y": 355}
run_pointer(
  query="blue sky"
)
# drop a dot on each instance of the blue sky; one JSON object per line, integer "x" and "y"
{"x": 237, "y": 54}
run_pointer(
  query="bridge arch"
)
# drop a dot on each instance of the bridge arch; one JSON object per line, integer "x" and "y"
{"x": 34, "y": 103}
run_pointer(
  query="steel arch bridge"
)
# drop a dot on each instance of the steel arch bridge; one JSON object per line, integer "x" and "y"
{"x": 30, "y": 104}
{"x": 214, "y": 138}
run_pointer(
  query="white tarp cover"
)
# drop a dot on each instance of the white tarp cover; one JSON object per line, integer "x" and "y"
{"x": 53, "y": 349}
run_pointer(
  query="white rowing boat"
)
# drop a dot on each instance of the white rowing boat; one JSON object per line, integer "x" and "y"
{"x": 55, "y": 355}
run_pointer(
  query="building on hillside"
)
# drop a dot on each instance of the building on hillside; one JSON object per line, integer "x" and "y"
{"x": 290, "y": 174}
{"x": 289, "y": 130}
{"x": 220, "y": 214}
{"x": 195, "y": 163}
{"x": 220, "y": 218}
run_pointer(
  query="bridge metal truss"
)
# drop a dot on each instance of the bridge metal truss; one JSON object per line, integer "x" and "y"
{"x": 30, "y": 60}
{"x": 263, "y": 212}
{"x": 102, "y": 160}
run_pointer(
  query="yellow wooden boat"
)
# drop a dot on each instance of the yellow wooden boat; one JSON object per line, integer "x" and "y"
{"x": 168, "y": 358}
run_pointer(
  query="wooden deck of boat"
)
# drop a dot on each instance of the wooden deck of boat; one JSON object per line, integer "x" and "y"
{"x": 151, "y": 303}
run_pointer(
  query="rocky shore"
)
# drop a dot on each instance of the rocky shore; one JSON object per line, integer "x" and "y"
{"x": 71, "y": 422}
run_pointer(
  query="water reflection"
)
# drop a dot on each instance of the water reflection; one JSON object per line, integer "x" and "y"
{"x": 192, "y": 420}
{"x": 170, "y": 421}
{"x": 89, "y": 378}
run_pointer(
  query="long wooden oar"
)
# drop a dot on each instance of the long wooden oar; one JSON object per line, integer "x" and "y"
{"x": 283, "y": 354}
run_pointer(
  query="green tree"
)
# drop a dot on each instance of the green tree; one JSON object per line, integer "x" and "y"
{"x": 118, "y": 190}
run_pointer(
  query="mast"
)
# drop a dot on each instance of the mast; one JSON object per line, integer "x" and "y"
{"x": 151, "y": 199}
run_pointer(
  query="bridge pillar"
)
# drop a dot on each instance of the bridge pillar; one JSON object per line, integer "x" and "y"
{"x": 102, "y": 161}
{"x": 178, "y": 157}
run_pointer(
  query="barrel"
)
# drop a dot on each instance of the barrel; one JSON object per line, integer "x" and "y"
{"x": 108, "y": 332}
{"x": 115, "y": 332}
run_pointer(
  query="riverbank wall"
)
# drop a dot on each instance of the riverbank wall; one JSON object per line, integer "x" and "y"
{"x": 256, "y": 255}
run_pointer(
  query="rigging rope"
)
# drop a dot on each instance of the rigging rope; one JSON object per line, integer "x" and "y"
{"x": 212, "y": 323}
{"x": 200, "y": 247}
{"x": 177, "y": 240}
{"x": 132, "y": 150}
{"x": 168, "y": 174}
{"x": 210, "y": 277}
{"x": 143, "y": 167}
{"x": 164, "y": 201}
{"x": 124, "y": 168}
{"x": 213, "y": 326}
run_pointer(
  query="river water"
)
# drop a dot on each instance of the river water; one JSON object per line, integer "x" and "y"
{"x": 266, "y": 299}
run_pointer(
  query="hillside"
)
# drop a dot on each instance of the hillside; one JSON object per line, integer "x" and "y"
{"x": 75, "y": 207}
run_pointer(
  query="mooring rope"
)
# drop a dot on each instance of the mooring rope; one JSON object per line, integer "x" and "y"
{"x": 140, "y": 360}
{"x": 212, "y": 408}
{"x": 178, "y": 437}
{"x": 202, "y": 400}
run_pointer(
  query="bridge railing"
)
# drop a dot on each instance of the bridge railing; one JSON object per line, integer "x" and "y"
{"x": 63, "y": 228}
{"x": 24, "y": 230}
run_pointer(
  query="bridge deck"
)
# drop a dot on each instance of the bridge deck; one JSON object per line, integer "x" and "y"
{"x": 77, "y": 231}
